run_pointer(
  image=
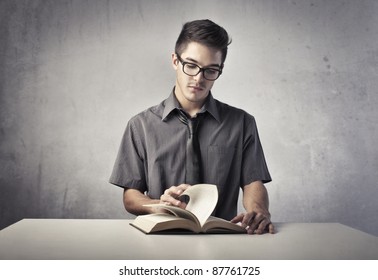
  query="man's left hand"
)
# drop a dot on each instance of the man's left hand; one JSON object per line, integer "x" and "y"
{"x": 255, "y": 222}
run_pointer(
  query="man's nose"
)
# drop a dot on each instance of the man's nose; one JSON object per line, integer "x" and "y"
{"x": 199, "y": 76}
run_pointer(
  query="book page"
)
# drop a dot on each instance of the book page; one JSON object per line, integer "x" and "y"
{"x": 203, "y": 199}
{"x": 219, "y": 225}
{"x": 161, "y": 222}
{"x": 176, "y": 211}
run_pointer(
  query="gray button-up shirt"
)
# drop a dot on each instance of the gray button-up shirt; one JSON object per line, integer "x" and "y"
{"x": 152, "y": 154}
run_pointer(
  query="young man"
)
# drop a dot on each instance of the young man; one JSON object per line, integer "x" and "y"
{"x": 192, "y": 138}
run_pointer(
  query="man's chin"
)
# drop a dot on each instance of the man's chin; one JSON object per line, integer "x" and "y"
{"x": 198, "y": 94}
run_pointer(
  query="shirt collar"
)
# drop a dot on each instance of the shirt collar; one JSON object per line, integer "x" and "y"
{"x": 171, "y": 104}
{"x": 212, "y": 108}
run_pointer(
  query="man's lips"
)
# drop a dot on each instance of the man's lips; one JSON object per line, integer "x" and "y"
{"x": 195, "y": 87}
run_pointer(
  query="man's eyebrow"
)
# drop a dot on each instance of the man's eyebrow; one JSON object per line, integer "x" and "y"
{"x": 195, "y": 61}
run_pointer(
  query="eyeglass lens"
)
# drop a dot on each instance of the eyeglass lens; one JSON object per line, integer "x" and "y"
{"x": 193, "y": 70}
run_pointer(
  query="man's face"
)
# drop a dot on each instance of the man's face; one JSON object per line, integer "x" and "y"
{"x": 193, "y": 90}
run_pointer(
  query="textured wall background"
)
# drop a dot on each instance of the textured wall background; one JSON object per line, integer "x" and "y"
{"x": 73, "y": 72}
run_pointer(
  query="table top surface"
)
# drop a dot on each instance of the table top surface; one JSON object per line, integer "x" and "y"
{"x": 66, "y": 239}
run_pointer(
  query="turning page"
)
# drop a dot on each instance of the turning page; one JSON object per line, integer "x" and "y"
{"x": 202, "y": 201}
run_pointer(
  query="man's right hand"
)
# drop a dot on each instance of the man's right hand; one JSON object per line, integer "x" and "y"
{"x": 171, "y": 195}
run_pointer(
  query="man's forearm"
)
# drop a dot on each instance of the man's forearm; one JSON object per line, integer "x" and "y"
{"x": 255, "y": 197}
{"x": 134, "y": 200}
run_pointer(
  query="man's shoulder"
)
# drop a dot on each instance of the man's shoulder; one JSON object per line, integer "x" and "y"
{"x": 150, "y": 113}
{"x": 228, "y": 110}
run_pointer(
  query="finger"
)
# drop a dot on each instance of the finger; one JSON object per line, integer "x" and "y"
{"x": 272, "y": 230}
{"x": 255, "y": 222}
{"x": 173, "y": 191}
{"x": 169, "y": 200}
{"x": 170, "y": 196}
{"x": 237, "y": 218}
{"x": 183, "y": 187}
{"x": 182, "y": 205}
{"x": 248, "y": 219}
{"x": 262, "y": 226}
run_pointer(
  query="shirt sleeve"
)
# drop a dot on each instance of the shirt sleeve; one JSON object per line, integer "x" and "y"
{"x": 254, "y": 167}
{"x": 128, "y": 170}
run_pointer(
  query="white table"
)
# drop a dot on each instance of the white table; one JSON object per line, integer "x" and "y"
{"x": 75, "y": 239}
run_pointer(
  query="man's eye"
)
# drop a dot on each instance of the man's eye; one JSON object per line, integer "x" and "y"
{"x": 212, "y": 71}
{"x": 191, "y": 66}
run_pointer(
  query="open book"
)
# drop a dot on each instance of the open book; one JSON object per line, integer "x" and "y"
{"x": 196, "y": 217}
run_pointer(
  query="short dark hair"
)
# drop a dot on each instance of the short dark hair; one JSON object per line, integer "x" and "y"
{"x": 203, "y": 32}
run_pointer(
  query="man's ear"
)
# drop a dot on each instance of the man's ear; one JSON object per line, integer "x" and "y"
{"x": 174, "y": 61}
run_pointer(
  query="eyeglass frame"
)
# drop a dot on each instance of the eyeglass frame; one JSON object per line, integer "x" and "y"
{"x": 201, "y": 69}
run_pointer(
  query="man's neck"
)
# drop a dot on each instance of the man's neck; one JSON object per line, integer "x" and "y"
{"x": 191, "y": 108}
{"x": 192, "y": 111}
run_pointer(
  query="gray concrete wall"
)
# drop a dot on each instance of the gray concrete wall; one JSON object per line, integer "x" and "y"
{"x": 73, "y": 72}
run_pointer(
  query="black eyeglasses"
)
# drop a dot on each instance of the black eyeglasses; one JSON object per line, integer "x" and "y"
{"x": 192, "y": 69}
